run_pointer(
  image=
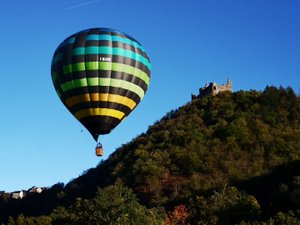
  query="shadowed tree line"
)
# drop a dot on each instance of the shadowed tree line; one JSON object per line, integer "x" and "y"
{"x": 232, "y": 158}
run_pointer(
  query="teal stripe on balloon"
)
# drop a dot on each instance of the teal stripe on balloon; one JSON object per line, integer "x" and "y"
{"x": 67, "y": 41}
{"x": 57, "y": 58}
{"x": 109, "y": 51}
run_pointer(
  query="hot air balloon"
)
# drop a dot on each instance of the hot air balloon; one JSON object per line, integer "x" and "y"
{"x": 100, "y": 75}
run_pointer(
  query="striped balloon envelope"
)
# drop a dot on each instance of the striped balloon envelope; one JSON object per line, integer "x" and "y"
{"x": 100, "y": 75}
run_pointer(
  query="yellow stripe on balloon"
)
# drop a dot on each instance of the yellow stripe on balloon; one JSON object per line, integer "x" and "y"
{"x": 95, "y": 97}
{"x": 99, "y": 112}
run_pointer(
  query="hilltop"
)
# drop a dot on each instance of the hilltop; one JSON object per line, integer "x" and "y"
{"x": 232, "y": 158}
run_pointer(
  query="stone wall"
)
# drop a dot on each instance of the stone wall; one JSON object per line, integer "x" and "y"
{"x": 213, "y": 88}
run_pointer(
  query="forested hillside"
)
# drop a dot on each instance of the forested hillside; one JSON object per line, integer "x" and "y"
{"x": 232, "y": 158}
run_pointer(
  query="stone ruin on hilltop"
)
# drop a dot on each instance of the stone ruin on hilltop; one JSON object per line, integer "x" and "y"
{"x": 212, "y": 89}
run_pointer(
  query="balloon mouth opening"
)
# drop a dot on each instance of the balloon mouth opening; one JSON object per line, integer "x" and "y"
{"x": 95, "y": 136}
{"x": 98, "y": 125}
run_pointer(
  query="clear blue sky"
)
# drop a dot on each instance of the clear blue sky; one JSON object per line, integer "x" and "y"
{"x": 253, "y": 42}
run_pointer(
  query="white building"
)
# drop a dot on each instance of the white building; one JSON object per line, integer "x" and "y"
{"x": 18, "y": 194}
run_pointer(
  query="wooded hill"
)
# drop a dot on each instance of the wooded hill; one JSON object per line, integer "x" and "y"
{"x": 232, "y": 158}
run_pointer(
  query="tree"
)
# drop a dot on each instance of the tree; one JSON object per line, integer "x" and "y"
{"x": 115, "y": 204}
{"x": 22, "y": 220}
{"x": 178, "y": 217}
{"x": 227, "y": 206}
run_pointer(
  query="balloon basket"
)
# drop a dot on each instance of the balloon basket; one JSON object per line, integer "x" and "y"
{"x": 99, "y": 150}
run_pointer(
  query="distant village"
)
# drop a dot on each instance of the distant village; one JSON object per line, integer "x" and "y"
{"x": 23, "y": 193}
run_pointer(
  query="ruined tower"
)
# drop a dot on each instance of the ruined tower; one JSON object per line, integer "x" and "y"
{"x": 213, "y": 88}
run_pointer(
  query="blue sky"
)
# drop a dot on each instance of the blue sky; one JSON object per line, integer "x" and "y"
{"x": 253, "y": 42}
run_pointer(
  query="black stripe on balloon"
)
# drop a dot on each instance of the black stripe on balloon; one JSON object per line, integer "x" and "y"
{"x": 56, "y": 68}
{"x": 66, "y": 55}
{"x": 99, "y": 104}
{"x": 97, "y": 125}
{"x": 80, "y": 40}
{"x": 56, "y": 84}
{"x": 103, "y": 89}
{"x": 103, "y": 74}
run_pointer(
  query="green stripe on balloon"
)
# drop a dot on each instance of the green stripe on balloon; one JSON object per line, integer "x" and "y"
{"x": 109, "y": 82}
{"x": 54, "y": 75}
{"x": 112, "y": 66}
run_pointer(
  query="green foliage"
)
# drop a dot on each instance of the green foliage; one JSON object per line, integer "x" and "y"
{"x": 289, "y": 218}
{"x": 227, "y": 206}
{"x": 22, "y": 220}
{"x": 114, "y": 204}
